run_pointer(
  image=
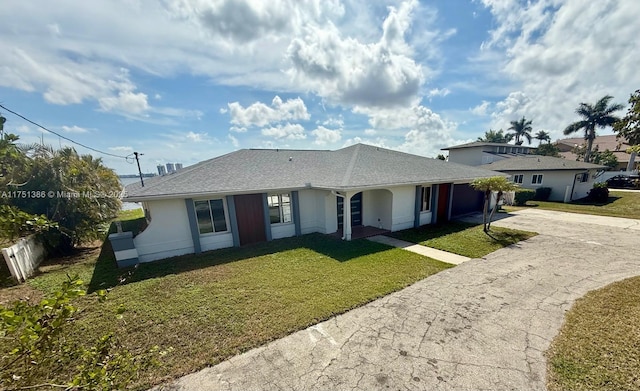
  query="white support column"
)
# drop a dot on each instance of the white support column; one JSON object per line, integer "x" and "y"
{"x": 346, "y": 216}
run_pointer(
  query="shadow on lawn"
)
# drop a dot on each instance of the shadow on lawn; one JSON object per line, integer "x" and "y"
{"x": 582, "y": 201}
{"x": 107, "y": 275}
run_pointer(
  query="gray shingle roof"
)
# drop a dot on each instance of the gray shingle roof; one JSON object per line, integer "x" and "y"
{"x": 537, "y": 163}
{"x": 359, "y": 166}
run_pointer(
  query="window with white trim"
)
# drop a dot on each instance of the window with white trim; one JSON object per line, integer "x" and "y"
{"x": 536, "y": 179}
{"x": 425, "y": 204}
{"x": 210, "y": 216}
{"x": 583, "y": 177}
{"x": 518, "y": 178}
{"x": 279, "y": 208}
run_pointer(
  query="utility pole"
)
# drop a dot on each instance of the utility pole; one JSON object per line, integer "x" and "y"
{"x": 139, "y": 170}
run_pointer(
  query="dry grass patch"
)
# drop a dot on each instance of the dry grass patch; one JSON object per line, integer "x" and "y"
{"x": 598, "y": 347}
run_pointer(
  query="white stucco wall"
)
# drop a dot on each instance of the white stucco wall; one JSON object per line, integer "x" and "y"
{"x": 279, "y": 231}
{"x": 214, "y": 241}
{"x": 468, "y": 156}
{"x": 168, "y": 233}
{"x": 312, "y": 214}
{"x": 377, "y": 204}
{"x": 403, "y": 207}
{"x": 330, "y": 213}
{"x": 558, "y": 182}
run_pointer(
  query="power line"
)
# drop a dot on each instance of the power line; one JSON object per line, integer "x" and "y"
{"x": 66, "y": 138}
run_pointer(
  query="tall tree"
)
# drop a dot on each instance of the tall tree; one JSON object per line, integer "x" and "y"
{"x": 521, "y": 129}
{"x": 498, "y": 184}
{"x": 629, "y": 126}
{"x": 495, "y": 136}
{"x": 595, "y": 116}
{"x": 543, "y": 136}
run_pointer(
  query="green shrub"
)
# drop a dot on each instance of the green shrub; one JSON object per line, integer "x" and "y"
{"x": 542, "y": 194}
{"x": 522, "y": 196}
{"x": 599, "y": 193}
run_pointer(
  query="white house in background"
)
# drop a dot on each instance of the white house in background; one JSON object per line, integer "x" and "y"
{"x": 480, "y": 152}
{"x": 252, "y": 195}
{"x": 568, "y": 179}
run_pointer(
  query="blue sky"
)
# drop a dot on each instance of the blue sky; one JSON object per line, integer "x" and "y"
{"x": 187, "y": 80}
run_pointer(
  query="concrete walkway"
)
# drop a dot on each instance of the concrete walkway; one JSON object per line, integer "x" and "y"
{"x": 484, "y": 324}
{"x": 439, "y": 255}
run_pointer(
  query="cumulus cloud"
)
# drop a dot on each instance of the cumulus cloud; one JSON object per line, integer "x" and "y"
{"x": 558, "y": 54}
{"x": 125, "y": 101}
{"x": 287, "y": 131}
{"x": 196, "y": 137}
{"x": 481, "y": 109}
{"x": 259, "y": 114}
{"x": 121, "y": 148}
{"x": 74, "y": 129}
{"x": 424, "y": 131}
{"x": 326, "y": 136}
{"x": 234, "y": 141}
{"x": 347, "y": 71}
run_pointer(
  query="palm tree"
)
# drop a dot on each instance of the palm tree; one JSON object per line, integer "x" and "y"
{"x": 598, "y": 115}
{"x": 521, "y": 129}
{"x": 543, "y": 136}
{"x": 495, "y": 136}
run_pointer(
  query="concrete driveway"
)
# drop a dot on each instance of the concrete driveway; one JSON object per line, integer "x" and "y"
{"x": 484, "y": 324}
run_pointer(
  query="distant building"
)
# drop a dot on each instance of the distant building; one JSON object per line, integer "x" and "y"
{"x": 161, "y": 170}
{"x": 616, "y": 145}
{"x": 178, "y": 166}
{"x": 171, "y": 168}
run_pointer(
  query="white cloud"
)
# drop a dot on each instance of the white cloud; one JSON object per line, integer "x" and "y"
{"x": 326, "y": 136}
{"x": 347, "y": 71}
{"x": 234, "y": 141}
{"x": 481, "y": 109}
{"x": 370, "y": 132}
{"x": 438, "y": 92}
{"x": 74, "y": 129}
{"x": 196, "y": 137}
{"x": 376, "y": 142}
{"x": 238, "y": 129}
{"x": 556, "y": 54}
{"x": 425, "y": 132}
{"x": 121, "y": 149}
{"x": 287, "y": 131}
{"x": 125, "y": 101}
{"x": 259, "y": 114}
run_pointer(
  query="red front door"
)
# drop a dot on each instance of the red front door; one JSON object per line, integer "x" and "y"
{"x": 443, "y": 203}
{"x": 250, "y": 218}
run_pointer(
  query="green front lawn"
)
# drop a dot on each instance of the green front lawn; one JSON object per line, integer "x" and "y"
{"x": 211, "y": 306}
{"x": 620, "y": 204}
{"x": 462, "y": 238}
{"x": 598, "y": 347}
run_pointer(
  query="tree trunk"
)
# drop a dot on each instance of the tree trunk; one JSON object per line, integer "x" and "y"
{"x": 485, "y": 210}
{"x": 493, "y": 211}
{"x": 587, "y": 154}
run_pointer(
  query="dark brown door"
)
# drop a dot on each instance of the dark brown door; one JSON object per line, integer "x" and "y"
{"x": 250, "y": 217}
{"x": 443, "y": 203}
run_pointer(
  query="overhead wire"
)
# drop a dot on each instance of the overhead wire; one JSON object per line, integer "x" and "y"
{"x": 67, "y": 138}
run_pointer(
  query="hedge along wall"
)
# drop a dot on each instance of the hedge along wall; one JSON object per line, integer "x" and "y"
{"x": 23, "y": 257}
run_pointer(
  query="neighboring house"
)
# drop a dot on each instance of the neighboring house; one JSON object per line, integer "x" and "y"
{"x": 568, "y": 179}
{"x": 617, "y": 146}
{"x": 480, "y": 152}
{"x": 252, "y": 196}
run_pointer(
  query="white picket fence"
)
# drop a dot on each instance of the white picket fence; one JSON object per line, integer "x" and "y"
{"x": 23, "y": 257}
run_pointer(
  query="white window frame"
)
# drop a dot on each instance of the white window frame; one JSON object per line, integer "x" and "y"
{"x": 518, "y": 176}
{"x": 425, "y": 205}
{"x": 281, "y": 212}
{"x": 213, "y": 225}
{"x": 537, "y": 176}
{"x": 583, "y": 177}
